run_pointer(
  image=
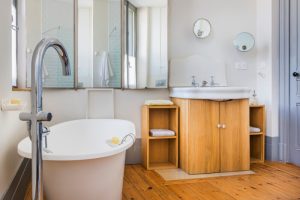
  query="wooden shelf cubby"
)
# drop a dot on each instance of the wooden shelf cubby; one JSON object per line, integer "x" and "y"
{"x": 257, "y": 140}
{"x": 159, "y": 152}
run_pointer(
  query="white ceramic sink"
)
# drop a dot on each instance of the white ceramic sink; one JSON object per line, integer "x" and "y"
{"x": 211, "y": 93}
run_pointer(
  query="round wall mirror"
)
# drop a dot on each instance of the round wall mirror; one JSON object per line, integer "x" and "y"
{"x": 244, "y": 41}
{"x": 202, "y": 28}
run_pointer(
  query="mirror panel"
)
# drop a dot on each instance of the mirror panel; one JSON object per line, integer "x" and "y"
{"x": 145, "y": 63}
{"x": 46, "y": 19}
{"x": 98, "y": 24}
{"x": 99, "y": 43}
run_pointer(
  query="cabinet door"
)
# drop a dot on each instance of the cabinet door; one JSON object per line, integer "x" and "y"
{"x": 203, "y": 138}
{"x": 234, "y": 137}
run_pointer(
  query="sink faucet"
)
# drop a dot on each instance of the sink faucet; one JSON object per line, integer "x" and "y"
{"x": 212, "y": 82}
{"x": 194, "y": 83}
{"x": 37, "y": 116}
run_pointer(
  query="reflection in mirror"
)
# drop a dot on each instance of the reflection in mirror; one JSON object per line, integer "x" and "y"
{"x": 33, "y": 20}
{"x": 244, "y": 41}
{"x": 145, "y": 62}
{"x": 99, "y": 43}
{"x": 14, "y": 31}
{"x": 202, "y": 28}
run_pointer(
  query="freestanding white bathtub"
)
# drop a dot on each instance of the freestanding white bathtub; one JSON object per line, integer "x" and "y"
{"x": 82, "y": 164}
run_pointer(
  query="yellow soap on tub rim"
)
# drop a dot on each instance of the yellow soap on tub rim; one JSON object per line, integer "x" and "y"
{"x": 115, "y": 140}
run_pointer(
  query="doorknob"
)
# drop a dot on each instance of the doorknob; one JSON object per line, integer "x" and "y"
{"x": 296, "y": 74}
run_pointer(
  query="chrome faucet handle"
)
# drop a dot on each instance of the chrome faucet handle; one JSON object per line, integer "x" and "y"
{"x": 46, "y": 131}
{"x": 40, "y": 116}
{"x": 204, "y": 83}
{"x": 212, "y": 81}
{"x": 29, "y": 128}
{"x": 44, "y": 116}
{"x": 193, "y": 79}
{"x": 194, "y": 83}
{"x": 25, "y": 116}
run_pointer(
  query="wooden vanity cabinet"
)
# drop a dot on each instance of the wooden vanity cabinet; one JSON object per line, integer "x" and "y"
{"x": 213, "y": 136}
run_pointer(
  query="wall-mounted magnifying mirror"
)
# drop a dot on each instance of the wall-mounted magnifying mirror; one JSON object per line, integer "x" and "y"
{"x": 202, "y": 28}
{"x": 244, "y": 41}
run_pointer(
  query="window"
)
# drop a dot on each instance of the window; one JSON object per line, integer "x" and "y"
{"x": 131, "y": 44}
{"x": 14, "y": 32}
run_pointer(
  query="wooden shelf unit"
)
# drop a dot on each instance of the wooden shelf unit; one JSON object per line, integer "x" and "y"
{"x": 159, "y": 152}
{"x": 257, "y": 140}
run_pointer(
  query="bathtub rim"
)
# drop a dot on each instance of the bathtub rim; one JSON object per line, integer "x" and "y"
{"x": 25, "y": 152}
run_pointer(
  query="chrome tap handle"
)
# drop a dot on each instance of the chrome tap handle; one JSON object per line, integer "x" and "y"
{"x": 193, "y": 80}
{"x": 25, "y": 116}
{"x": 46, "y": 131}
{"x": 212, "y": 80}
{"x": 40, "y": 116}
{"x": 44, "y": 116}
{"x": 29, "y": 128}
{"x": 194, "y": 83}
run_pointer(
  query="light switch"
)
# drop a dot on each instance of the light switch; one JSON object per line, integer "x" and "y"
{"x": 241, "y": 65}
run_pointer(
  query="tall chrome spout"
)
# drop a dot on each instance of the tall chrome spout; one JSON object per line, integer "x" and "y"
{"x": 37, "y": 116}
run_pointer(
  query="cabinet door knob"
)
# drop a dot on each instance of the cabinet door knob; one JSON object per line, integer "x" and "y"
{"x": 223, "y": 126}
{"x": 219, "y": 126}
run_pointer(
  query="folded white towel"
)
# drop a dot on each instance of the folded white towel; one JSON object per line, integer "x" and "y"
{"x": 158, "y": 102}
{"x": 254, "y": 129}
{"x": 161, "y": 132}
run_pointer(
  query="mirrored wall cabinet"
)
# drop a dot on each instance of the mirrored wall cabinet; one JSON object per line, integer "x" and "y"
{"x": 91, "y": 31}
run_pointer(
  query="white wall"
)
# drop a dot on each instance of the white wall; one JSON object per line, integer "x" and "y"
{"x": 228, "y": 18}
{"x": 11, "y": 129}
{"x": 69, "y": 104}
{"x": 267, "y": 61}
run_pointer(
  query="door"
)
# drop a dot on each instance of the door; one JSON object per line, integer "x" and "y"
{"x": 234, "y": 136}
{"x": 203, "y": 139}
{"x": 294, "y": 135}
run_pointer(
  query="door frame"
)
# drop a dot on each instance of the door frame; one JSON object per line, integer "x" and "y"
{"x": 284, "y": 80}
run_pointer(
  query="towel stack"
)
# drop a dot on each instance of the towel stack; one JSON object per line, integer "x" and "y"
{"x": 158, "y": 102}
{"x": 254, "y": 129}
{"x": 161, "y": 132}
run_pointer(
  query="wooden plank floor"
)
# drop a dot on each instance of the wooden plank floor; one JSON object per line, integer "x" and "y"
{"x": 271, "y": 181}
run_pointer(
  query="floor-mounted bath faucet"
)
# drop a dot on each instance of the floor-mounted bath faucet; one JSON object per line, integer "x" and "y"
{"x": 37, "y": 116}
